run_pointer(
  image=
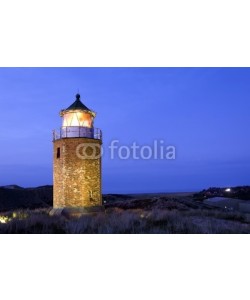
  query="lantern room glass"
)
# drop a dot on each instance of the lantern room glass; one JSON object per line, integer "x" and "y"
{"x": 77, "y": 124}
{"x": 80, "y": 118}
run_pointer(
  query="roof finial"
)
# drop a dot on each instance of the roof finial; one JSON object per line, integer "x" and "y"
{"x": 78, "y": 96}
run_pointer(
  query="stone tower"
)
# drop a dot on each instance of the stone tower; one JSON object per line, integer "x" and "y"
{"x": 77, "y": 160}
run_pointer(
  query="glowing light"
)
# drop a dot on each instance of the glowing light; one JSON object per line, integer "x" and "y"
{"x": 3, "y": 219}
{"x": 78, "y": 119}
{"x": 228, "y": 190}
{"x": 15, "y": 215}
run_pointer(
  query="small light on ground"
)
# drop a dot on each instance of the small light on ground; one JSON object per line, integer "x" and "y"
{"x": 3, "y": 219}
{"x": 228, "y": 190}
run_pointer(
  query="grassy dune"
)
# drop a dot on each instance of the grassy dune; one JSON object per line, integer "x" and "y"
{"x": 157, "y": 215}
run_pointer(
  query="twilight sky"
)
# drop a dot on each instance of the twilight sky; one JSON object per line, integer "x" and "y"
{"x": 203, "y": 112}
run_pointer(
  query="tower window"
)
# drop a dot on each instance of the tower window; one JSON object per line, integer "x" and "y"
{"x": 58, "y": 154}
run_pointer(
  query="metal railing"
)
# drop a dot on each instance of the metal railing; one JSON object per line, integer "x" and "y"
{"x": 77, "y": 132}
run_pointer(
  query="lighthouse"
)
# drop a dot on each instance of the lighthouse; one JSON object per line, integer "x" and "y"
{"x": 77, "y": 174}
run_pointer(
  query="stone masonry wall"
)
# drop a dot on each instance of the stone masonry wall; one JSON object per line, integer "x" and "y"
{"x": 77, "y": 181}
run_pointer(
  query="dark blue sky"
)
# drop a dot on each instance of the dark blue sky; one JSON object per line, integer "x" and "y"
{"x": 204, "y": 112}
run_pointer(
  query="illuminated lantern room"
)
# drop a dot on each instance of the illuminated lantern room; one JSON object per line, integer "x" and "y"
{"x": 78, "y": 121}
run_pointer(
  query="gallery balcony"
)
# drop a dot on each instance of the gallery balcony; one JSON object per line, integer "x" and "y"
{"x": 77, "y": 132}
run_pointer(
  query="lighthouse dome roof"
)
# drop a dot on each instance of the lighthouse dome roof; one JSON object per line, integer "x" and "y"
{"x": 77, "y": 106}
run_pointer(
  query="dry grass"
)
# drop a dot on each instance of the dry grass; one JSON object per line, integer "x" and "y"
{"x": 134, "y": 221}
